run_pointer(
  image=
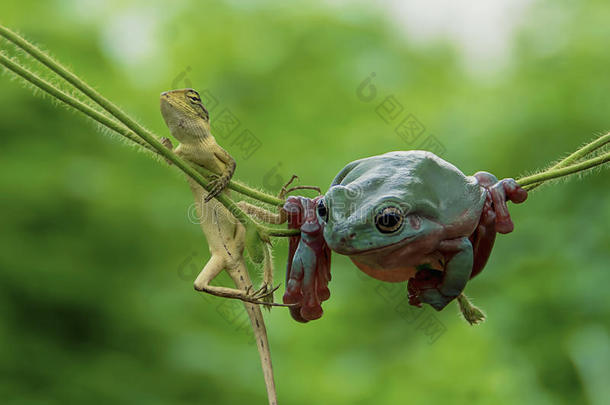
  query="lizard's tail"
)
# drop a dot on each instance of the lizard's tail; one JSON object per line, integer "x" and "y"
{"x": 242, "y": 281}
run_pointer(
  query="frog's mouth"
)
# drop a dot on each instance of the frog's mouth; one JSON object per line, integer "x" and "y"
{"x": 352, "y": 251}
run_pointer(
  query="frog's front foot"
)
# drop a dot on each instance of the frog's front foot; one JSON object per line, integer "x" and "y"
{"x": 424, "y": 288}
{"x": 500, "y": 192}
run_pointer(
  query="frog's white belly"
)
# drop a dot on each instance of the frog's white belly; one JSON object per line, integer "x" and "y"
{"x": 394, "y": 267}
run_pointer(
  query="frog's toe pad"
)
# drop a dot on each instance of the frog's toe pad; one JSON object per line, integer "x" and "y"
{"x": 435, "y": 299}
{"x": 311, "y": 312}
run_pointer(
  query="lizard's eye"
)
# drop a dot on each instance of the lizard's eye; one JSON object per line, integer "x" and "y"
{"x": 389, "y": 220}
{"x": 322, "y": 210}
{"x": 194, "y": 97}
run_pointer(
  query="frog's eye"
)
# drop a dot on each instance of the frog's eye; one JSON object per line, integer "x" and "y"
{"x": 389, "y": 220}
{"x": 322, "y": 210}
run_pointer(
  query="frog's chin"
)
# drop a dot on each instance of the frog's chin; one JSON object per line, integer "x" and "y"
{"x": 353, "y": 251}
{"x": 392, "y": 275}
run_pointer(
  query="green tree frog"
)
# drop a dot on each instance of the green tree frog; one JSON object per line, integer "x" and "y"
{"x": 411, "y": 212}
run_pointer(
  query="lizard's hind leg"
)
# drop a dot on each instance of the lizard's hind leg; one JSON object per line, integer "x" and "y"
{"x": 268, "y": 216}
{"x": 212, "y": 268}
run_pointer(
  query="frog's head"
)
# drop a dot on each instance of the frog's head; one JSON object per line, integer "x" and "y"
{"x": 372, "y": 209}
{"x": 358, "y": 224}
{"x": 183, "y": 110}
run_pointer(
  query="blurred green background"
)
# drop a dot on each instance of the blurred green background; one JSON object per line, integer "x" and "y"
{"x": 97, "y": 256}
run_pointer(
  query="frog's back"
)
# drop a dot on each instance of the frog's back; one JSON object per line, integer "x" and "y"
{"x": 422, "y": 179}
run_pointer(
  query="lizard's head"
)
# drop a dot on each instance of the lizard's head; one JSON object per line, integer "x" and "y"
{"x": 182, "y": 109}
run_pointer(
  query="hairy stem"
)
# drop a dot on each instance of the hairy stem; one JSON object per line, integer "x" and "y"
{"x": 579, "y": 154}
{"x": 528, "y": 181}
{"x": 77, "y": 82}
{"x": 111, "y": 108}
{"x": 148, "y": 139}
{"x": 70, "y": 100}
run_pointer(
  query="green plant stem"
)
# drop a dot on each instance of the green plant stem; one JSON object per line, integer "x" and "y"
{"x": 69, "y": 100}
{"x": 117, "y": 127}
{"x": 116, "y": 112}
{"x": 142, "y": 132}
{"x": 122, "y": 130}
{"x": 551, "y": 174}
{"x": 105, "y": 104}
{"x": 282, "y": 232}
{"x": 77, "y": 82}
{"x": 529, "y": 182}
{"x": 584, "y": 151}
{"x": 579, "y": 154}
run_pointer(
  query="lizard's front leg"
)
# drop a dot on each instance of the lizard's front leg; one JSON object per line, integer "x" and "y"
{"x": 168, "y": 144}
{"x": 220, "y": 182}
{"x": 263, "y": 214}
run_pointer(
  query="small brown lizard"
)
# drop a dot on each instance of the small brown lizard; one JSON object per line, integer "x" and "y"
{"x": 188, "y": 121}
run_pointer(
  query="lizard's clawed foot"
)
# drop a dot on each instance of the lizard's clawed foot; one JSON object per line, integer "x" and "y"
{"x": 257, "y": 297}
{"x": 168, "y": 144}
{"x": 265, "y": 291}
{"x": 218, "y": 183}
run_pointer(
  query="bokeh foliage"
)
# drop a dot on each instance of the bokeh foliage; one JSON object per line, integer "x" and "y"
{"x": 97, "y": 256}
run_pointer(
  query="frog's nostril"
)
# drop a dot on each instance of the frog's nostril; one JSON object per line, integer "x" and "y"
{"x": 352, "y": 235}
{"x": 342, "y": 240}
